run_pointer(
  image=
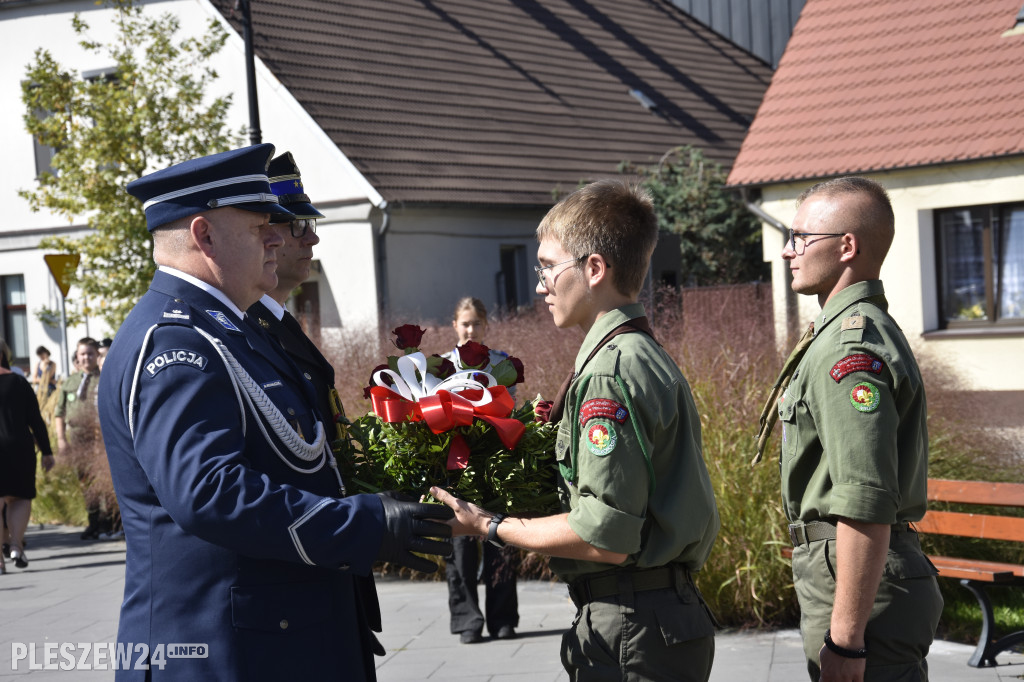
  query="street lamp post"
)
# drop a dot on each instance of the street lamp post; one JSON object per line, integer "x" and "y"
{"x": 255, "y": 134}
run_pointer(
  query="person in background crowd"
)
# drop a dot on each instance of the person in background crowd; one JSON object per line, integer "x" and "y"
{"x": 239, "y": 534}
{"x": 70, "y": 416}
{"x": 103, "y": 348}
{"x": 640, "y": 515}
{"x": 45, "y": 374}
{"x": 498, "y": 570}
{"x": 854, "y": 458}
{"x": 22, "y": 429}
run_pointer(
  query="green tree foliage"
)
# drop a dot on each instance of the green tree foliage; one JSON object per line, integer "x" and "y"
{"x": 149, "y": 112}
{"x": 720, "y": 240}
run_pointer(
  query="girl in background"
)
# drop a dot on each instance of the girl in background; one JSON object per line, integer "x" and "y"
{"x": 498, "y": 571}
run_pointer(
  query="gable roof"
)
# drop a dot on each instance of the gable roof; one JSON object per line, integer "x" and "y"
{"x": 505, "y": 101}
{"x": 881, "y": 85}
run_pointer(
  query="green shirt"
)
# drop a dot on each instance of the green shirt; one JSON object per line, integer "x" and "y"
{"x": 73, "y": 398}
{"x": 629, "y": 448}
{"x": 854, "y": 435}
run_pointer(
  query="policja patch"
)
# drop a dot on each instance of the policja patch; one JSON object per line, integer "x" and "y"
{"x": 601, "y": 437}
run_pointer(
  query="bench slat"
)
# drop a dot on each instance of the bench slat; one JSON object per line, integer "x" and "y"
{"x": 976, "y": 492}
{"x": 972, "y": 569}
{"x": 972, "y": 525}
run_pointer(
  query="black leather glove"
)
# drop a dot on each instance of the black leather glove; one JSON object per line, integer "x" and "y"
{"x": 410, "y": 529}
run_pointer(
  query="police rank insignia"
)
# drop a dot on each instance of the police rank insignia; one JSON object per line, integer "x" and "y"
{"x": 601, "y": 437}
{"x": 862, "y": 362}
{"x": 865, "y": 397}
{"x": 604, "y": 409}
{"x": 223, "y": 319}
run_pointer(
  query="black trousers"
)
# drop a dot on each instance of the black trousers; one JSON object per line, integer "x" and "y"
{"x": 499, "y": 579}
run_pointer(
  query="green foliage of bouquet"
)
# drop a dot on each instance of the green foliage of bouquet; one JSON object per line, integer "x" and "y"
{"x": 452, "y": 424}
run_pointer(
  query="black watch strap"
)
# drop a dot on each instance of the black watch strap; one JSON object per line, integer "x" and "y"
{"x": 841, "y": 650}
{"x": 492, "y": 530}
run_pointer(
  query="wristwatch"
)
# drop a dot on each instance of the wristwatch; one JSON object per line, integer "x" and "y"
{"x": 492, "y": 530}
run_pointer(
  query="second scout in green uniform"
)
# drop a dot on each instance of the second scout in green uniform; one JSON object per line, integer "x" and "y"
{"x": 73, "y": 398}
{"x": 634, "y": 482}
{"x": 855, "y": 445}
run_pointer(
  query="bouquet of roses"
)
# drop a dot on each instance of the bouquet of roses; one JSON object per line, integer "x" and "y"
{"x": 453, "y": 424}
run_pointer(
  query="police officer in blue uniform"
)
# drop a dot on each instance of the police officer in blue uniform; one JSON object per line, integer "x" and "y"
{"x": 239, "y": 538}
{"x": 294, "y": 260}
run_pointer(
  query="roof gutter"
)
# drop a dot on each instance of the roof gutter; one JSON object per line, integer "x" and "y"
{"x": 382, "y": 262}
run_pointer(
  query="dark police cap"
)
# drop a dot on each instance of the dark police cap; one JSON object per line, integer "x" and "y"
{"x": 235, "y": 178}
{"x": 286, "y": 183}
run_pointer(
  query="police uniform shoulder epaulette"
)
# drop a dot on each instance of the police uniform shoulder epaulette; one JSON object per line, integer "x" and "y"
{"x": 176, "y": 312}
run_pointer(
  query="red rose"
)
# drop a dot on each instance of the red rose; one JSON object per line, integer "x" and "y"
{"x": 442, "y": 368}
{"x": 408, "y": 336}
{"x": 542, "y": 411}
{"x": 518, "y": 364}
{"x": 387, "y": 380}
{"x": 474, "y": 355}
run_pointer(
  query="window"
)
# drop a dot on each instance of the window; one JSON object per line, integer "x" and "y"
{"x": 981, "y": 265}
{"x": 513, "y": 284}
{"x": 15, "y": 320}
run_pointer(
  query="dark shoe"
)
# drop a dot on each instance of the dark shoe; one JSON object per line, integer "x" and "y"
{"x": 470, "y": 637}
{"x": 506, "y": 632}
{"x": 90, "y": 534}
{"x": 19, "y": 558}
{"x": 7, "y": 550}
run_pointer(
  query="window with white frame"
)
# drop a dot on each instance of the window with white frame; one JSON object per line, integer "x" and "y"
{"x": 981, "y": 265}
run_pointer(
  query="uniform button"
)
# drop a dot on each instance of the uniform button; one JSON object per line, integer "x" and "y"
{"x": 345, "y": 567}
{"x": 291, "y": 411}
{"x": 306, "y": 374}
{"x": 284, "y": 624}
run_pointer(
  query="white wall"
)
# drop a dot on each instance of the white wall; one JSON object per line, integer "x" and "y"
{"x": 985, "y": 361}
{"x": 329, "y": 178}
{"x": 437, "y": 256}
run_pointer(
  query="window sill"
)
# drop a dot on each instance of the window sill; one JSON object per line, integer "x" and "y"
{"x": 980, "y": 332}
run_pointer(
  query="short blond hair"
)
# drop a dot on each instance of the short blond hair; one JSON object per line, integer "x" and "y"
{"x": 611, "y": 218}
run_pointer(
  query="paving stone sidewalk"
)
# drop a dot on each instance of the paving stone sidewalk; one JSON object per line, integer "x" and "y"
{"x": 71, "y": 592}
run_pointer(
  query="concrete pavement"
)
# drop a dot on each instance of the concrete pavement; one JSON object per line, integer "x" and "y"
{"x": 71, "y": 591}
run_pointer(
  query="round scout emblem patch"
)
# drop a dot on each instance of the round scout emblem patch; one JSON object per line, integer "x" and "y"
{"x": 864, "y": 397}
{"x": 601, "y": 437}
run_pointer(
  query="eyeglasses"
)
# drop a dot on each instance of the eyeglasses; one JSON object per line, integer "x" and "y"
{"x": 299, "y": 227}
{"x": 804, "y": 235}
{"x": 540, "y": 270}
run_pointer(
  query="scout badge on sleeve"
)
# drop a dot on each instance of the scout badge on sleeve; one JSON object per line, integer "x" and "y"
{"x": 861, "y": 362}
{"x": 865, "y": 397}
{"x": 601, "y": 437}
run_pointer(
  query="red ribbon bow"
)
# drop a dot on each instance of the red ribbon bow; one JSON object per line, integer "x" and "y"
{"x": 445, "y": 410}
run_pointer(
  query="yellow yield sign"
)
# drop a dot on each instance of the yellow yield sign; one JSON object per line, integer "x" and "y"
{"x": 63, "y": 267}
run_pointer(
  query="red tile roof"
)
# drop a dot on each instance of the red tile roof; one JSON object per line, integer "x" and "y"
{"x": 505, "y": 101}
{"x": 886, "y": 84}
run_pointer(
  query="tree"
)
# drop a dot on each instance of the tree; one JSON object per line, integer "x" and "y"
{"x": 149, "y": 112}
{"x": 720, "y": 240}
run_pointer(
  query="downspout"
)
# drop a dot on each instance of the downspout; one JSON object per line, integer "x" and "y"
{"x": 382, "y": 260}
{"x": 792, "y": 314}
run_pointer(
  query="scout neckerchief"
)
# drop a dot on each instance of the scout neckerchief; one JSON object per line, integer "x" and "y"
{"x": 637, "y": 324}
{"x": 770, "y": 413}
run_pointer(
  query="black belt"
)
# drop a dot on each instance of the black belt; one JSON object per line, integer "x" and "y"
{"x": 585, "y": 590}
{"x": 806, "y": 533}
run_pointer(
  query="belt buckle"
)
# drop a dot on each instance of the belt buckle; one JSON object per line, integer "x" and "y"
{"x": 797, "y": 535}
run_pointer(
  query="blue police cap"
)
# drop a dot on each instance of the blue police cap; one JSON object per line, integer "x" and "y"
{"x": 235, "y": 178}
{"x": 286, "y": 183}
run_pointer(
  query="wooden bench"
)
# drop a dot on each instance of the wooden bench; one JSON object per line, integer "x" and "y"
{"x": 976, "y": 575}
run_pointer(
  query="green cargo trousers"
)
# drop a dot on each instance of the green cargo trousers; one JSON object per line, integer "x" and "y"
{"x": 903, "y": 619}
{"x": 664, "y": 634}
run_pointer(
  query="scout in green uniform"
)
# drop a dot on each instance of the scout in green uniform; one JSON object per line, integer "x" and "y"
{"x": 639, "y": 513}
{"x": 854, "y": 460}
{"x": 76, "y": 392}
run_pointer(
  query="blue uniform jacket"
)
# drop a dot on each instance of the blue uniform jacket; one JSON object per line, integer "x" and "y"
{"x": 229, "y": 544}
